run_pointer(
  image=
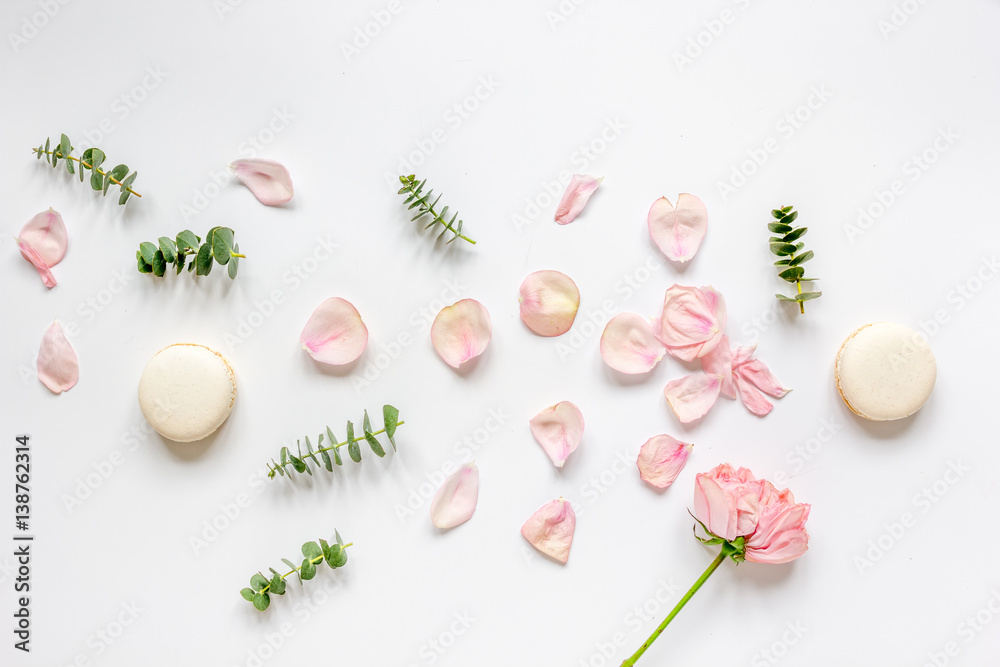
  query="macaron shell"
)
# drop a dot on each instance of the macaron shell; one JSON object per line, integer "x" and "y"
{"x": 187, "y": 391}
{"x": 885, "y": 371}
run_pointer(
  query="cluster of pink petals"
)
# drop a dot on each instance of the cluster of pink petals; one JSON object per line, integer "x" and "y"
{"x": 549, "y": 302}
{"x": 661, "y": 459}
{"x": 455, "y": 502}
{"x": 269, "y": 181}
{"x": 678, "y": 232}
{"x": 551, "y": 528}
{"x": 733, "y": 503}
{"x": 43, "y": 241}
{"x": 58, "y": 366}
{"x": 692, "y": 321}
{"x": 577, "y": 195}
{"x": 727, "y": 372}
{"x": 335, "y": 333}
{"x": 461, "y": 332}
{"x": 559, "y": 430}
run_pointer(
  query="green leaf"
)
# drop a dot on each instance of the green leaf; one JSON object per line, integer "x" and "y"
{"x": 297, "y": 463}
{"x": 782, "y": 249}
{"x": 168, "y": 249}
{"x": 124, "y": 197}
{"x": 181, "y": 258}
{"x": 277, "y": 585}
{"x": 96, "y": 158}
{"x": 107, "y": 182}
{"x": 284, "y": 456}
{"x": 258, "y": 581}
{"x": 148, "y": 250}
{"x": 783, "y": 262}
{"x": 312, "y": 550}
{"x": 234, "y": 262}
{"x": 336, "y": 535}
{"x": 327, "y": 463}
{"x": 808, "y": 296}
{"x": 222, "y": 244}
{"x": 390, "y": 417}
{"x": 794, "y": 235}
{"x": 204, "y": 259}
{"x": 46, "y": 144}
{"x": 261, "y": 601}
{"x": 790, "y": 218}
{"x": 141, "y": 264}
{"x": 338, "y": 557}
{"x": 247, "y": 593}
{"x": 96, "y": 180}
{"x": 804, "y": 257}
{"x": 119, "y": 172}
{"x": 292, "y": 566}
{"x": 792, "y": 274}
{"x": 779, "y": 228}
{"x": 308, "y": 570}
{"x": 782, "y": 297}
{"x": 187, "y": 239}
{"x": 372, "y": 441}
{"x": 352, "y": 446}
{"x": 159, "y": 264}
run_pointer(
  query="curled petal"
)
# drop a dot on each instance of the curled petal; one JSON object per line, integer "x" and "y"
{"x": 692, "y": 396}
{"x": 30, "y": 254}
{"x": 742, "y": 354}
{"x": 335, "y": 333}
{"x": 268, "y": 180}
{"x": 455, "y": 502}
{"x": 46, "y": 233}
{"x": 754, "y": 379}
{"x": 714, "y": 507}
{"x": 629, "y": 345}
{"x": 549, "y": 301}
{"x": 678, "y": 232}
{"x": 692, "y": 321}
{"x": 461, "y": 331}
{"x": 719, "y": 363}
{"x": 661, "y": 459}
{"x": 577, "y": 195}
{"x": 551, "y": 528}
{"x": 558, "y": 429}
{"x": 58, "y": 366}
{"x": 753, "y": 399}
{"x": 759, "y": 375}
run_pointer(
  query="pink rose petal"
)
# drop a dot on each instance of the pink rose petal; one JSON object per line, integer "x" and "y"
{"x": 661, "y": 459}
{"x": 335, "y": 333}
{"x": 692, "y": 321}
{"x": 551, "y": 528}
{"x": 629, "y": 345}
{"x": 58, "y": 366}
{"x": 455, "y": 502}
{"x": 549, "y": 301}
{"x": 719, "y": 363}
{"x": 46, "y": 233}
{"x": 577, "y": 195}
{"x": 30, "y": 254}
{"x": 753, "y": 380}
{"x": 678, "y": 232}
{"x": 461, "y": 331}
{"x": 692, "y": 396}
{"x": 558, "y": 429}
{"x": 268, "y": 180}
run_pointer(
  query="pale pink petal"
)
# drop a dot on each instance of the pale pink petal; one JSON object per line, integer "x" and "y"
{"x": 742, "y": 354}
{"x": 461, "y": 331}
{"x": 629, "y": 345}
{"x": 751, "y": 397}
{"x": 549, "y": 301}
{"x": 268, "y": 180}
{"x": 551, "y": 528}
{"x": 719, "y": 363}
{"x": 678, "y": 232}
{"x": 780, "y": 537}
{"x": 753, "y": 380}
{"x": 759, "y": 375}
{"x": 714, "y": 507}
{"x": 692, "y": 396}
{"x": 455, "y": 502}
{"x": 558, "y": 429}
{"x": 661, "y": 459}
{"x": 58, "y": 366}
{"x": 30, "y": 254}
{"x": 690, "y": 325}
{"x": 577, "y": 195}
{"x": 335, "y": 333}
{"x": 46, "y": 233}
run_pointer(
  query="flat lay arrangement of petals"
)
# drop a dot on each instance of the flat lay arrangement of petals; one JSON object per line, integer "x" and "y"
{"x": 455, "y": 502}
{"x": 549, "y": 301}
{"x": 678, "y": 231}
{"x": 269, "y": 181}
{"x": 58, "y": 366}
{"x": 461, "y": 332}
{"x": 335, "y": 333}
{"x": 577, "y": 194}
{"x": 43, "y": 241}
{"x": 551, "y": 528}
{"x": 558, "y": 429}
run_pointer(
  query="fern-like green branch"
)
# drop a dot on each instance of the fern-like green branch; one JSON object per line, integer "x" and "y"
{"x": 784, "y": 245}
{"x": 289, "y": 462}
{"x": 420, "y": 200}
{"x": 261, "y": 588}
{"x": 219, "y": 246}
{"x": 91, "y": 159}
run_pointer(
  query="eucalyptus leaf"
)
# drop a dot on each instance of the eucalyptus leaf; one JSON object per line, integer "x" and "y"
{"x": 204, "y": 260}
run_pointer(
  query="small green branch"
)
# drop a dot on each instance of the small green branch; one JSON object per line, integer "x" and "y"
{"x": 91, "y": 159}
{"x": 261, "y": 588}
{"x": 418, "y": 199}
{"x": 219, "y": 246}
{"x": 786, "y": 245}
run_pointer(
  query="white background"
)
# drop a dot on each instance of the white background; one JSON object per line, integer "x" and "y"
{"x": 686, "y": 126}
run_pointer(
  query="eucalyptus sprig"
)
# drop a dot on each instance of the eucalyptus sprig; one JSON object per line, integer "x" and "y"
{"x": 784, "y": 245}
{"x": 289, "y": 462}
{"x": 91, "y": 159}
{"x": 218, "y": 246}
{"x": 420, "y": 200}
{"x": 261, "y": 588}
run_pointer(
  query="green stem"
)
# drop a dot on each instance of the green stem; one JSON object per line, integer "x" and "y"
{"x": 727, "y": 550}
{"x": 314, "y": 561}
{"x": 802, "y": 305}
{"x": 84, "y": 164}
{"x": 320, "y": 450}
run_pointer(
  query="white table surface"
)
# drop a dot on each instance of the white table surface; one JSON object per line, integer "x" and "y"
{"x": 180, "y": 89}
